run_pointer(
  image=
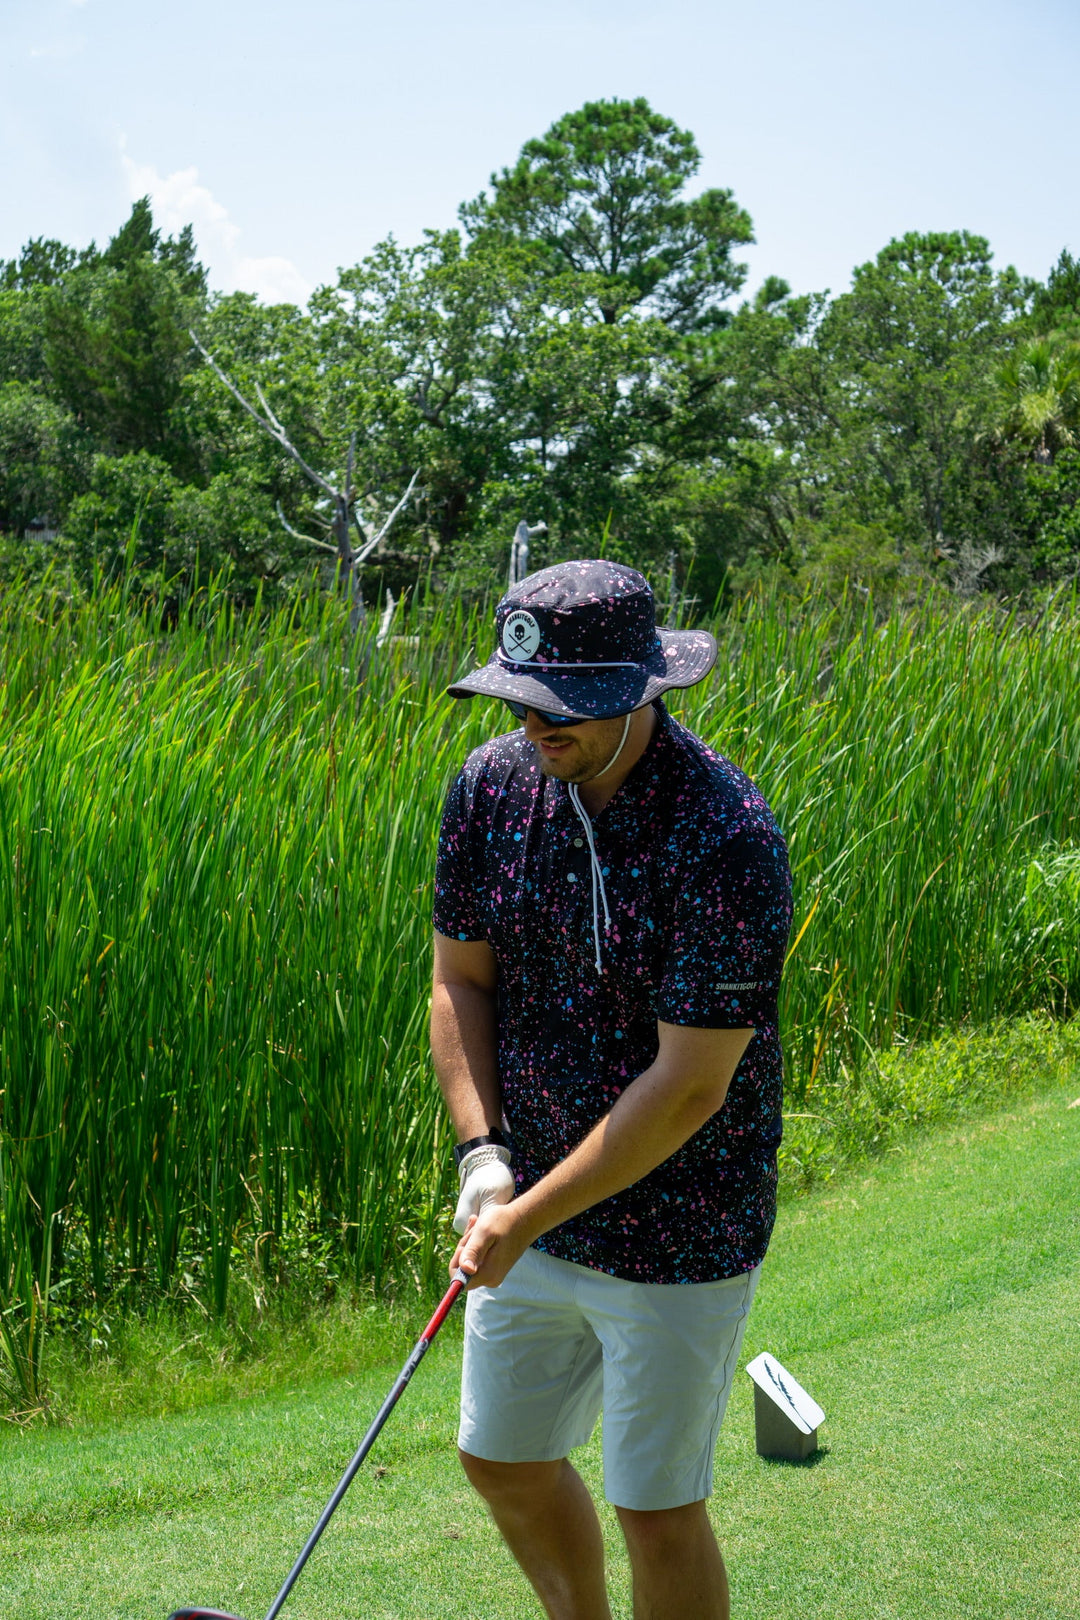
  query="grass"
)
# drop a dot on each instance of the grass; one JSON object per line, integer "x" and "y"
{"x": 216, "y": 844}
{"x": 850, "y": 1117}
{"x": 172, "y": 1360}
{"x": 928, "y": 1300}
{"x": 176, "y": 1357}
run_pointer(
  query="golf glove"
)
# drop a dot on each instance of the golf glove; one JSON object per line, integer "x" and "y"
{"x": 486, "y": 1178}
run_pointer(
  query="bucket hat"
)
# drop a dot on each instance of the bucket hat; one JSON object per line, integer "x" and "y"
{"x": 580, "y": 639}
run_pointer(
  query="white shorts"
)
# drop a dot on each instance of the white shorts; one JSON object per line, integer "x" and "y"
{"x": 556, "y": 1342}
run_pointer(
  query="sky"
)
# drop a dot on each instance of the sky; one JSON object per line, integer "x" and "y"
{"x": 294, "y": 137}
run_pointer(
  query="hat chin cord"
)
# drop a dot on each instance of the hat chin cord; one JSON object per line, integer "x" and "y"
{"x": 598, "y": 890}
{"x": 618, "y": 751}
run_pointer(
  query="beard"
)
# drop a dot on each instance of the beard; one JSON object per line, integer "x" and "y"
{"x": 587, "y": 752}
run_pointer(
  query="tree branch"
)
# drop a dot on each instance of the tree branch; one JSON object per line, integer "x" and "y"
{"x": 387, "y": 619}
{"x": 307, "y": 538}
{"x": 269, "y": 423}
{"x": 369, "y": 546}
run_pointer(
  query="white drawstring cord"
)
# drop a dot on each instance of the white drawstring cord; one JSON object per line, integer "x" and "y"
{"x": 618, "y": 751}
{"x": 597, "y": 874}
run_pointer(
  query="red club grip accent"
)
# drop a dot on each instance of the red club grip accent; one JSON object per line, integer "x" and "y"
{"x": 445, "y": 1306}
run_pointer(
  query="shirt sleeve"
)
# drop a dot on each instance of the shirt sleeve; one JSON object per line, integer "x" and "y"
{"x": 455, "y": 911}
{"x": 727, "y": 939}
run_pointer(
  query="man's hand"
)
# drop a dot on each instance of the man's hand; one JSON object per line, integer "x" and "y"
{"x": 486, "y": 1178}
{"x": 493, "y": 1241}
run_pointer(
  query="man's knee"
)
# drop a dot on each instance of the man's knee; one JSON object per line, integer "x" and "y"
{"x": 663, "y": 1533}
{"x": 510, "y": 1482}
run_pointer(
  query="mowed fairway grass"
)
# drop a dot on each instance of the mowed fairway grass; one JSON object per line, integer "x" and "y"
{"x": 931, "y": 1302}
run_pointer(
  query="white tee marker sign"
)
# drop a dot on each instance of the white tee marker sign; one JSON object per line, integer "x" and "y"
{"x": 786, "y": 1418}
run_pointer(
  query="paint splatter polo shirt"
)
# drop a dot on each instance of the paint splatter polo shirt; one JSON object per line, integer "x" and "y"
{"x": 699, "y": 891}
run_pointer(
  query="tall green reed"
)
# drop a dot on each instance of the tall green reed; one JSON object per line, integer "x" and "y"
{"x": 915, "y": 765}
{"x": 216, "y": 841}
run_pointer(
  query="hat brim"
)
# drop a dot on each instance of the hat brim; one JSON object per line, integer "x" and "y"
{"x": 684, "y": 658}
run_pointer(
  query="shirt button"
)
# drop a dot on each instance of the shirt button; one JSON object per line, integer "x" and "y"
{"x": 571, "y": 877}
{"x": 579, "y": 843}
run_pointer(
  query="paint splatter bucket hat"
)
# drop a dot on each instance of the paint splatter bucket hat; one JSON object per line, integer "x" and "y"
{"x": 580, "y": 640}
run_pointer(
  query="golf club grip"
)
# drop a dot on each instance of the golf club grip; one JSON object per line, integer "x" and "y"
{"x": 416, "y": 1355}
{"x": 445, "y": 1306}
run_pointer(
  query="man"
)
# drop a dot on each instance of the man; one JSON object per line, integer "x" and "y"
{"x": 612, "y": 904}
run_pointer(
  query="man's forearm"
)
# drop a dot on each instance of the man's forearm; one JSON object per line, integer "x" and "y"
{"x": 650, "y": 1121}
{"x": 463, "y": 1051}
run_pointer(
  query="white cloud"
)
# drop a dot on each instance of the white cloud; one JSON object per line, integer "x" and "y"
{"x": 178, "y": 199}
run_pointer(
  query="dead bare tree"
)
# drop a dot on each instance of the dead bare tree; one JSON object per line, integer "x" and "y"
{"x": 519, "y": 550}
{"x": 342, "y": 499}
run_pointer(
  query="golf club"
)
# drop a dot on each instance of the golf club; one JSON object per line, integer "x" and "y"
{"x": 416, "y": 1355}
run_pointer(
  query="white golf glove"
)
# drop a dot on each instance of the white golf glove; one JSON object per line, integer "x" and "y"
{"x": 486, "y": 1178}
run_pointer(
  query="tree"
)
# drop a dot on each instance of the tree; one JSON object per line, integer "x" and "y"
{"x": 1053, "y": 517}
{"x": 600, "y": 195}
{"x": 116, "y": 339}
{"x": 885, "y": 394}
{"x": 22, "y": 335}
{"x": 42, "y": 263}
{"x": 500, "y": 383}
{"x": 1056, "y": 307}
{"x": 136, "y": 514}
{"x": 43, "y": 457}
{"x": 912, "y": 345}
{"x": 341, "y": 497}
{"x": 1038, "y": 388}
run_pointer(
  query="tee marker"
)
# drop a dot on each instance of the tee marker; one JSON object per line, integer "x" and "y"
{"x": 786, "y": 1418}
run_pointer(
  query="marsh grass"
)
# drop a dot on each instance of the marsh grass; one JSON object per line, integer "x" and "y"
{"x": 216, "y": 840}
{"x": 897, "y": 1094}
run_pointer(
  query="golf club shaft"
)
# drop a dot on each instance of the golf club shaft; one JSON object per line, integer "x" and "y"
{"x": 416, "y": 1355}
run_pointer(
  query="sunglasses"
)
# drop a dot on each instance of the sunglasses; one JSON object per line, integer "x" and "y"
{"x": 520, "y": 710}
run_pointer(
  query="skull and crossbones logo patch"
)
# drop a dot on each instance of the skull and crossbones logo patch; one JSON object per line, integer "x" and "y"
{"x": 520, "y": 636}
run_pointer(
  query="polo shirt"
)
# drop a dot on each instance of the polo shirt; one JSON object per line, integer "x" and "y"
{"x": 699, "y": 894}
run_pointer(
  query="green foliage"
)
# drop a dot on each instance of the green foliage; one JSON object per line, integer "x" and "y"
{"x": 138, "y": 516}
{"x": 873, "y": 414}
{"x": 273, "y": 347}
{"x": 1038, "y": 386}
{"x": 216, "y": 845}
{"x": 43, "y": 456}
{"x": 117, "y": 349}
{"x": 504, "y": 389}
{"x": 1045, "y": 937}
{"x": 600, "y": 195}
{"x": 214, "y": 993}
{"x": 1053, "y": 516}
{"x": 124, "y": 514}
{"x": 904, "y": 386}
{"x": 137, "y": 240}
{"x": 574, "y": 357}
{"x": 42, "y": 263}
{"x": 1055, "y": 307}
{"x": 852, "y": 556}
{"x": 855, "y": 1114}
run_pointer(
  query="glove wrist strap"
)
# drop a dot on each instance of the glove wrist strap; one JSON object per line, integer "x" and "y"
{"x": 493, "y": 1136}
{"x": 488, "y": 1153}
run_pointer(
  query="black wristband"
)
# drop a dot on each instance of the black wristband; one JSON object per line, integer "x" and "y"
{"x": 493, "y": 1138}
